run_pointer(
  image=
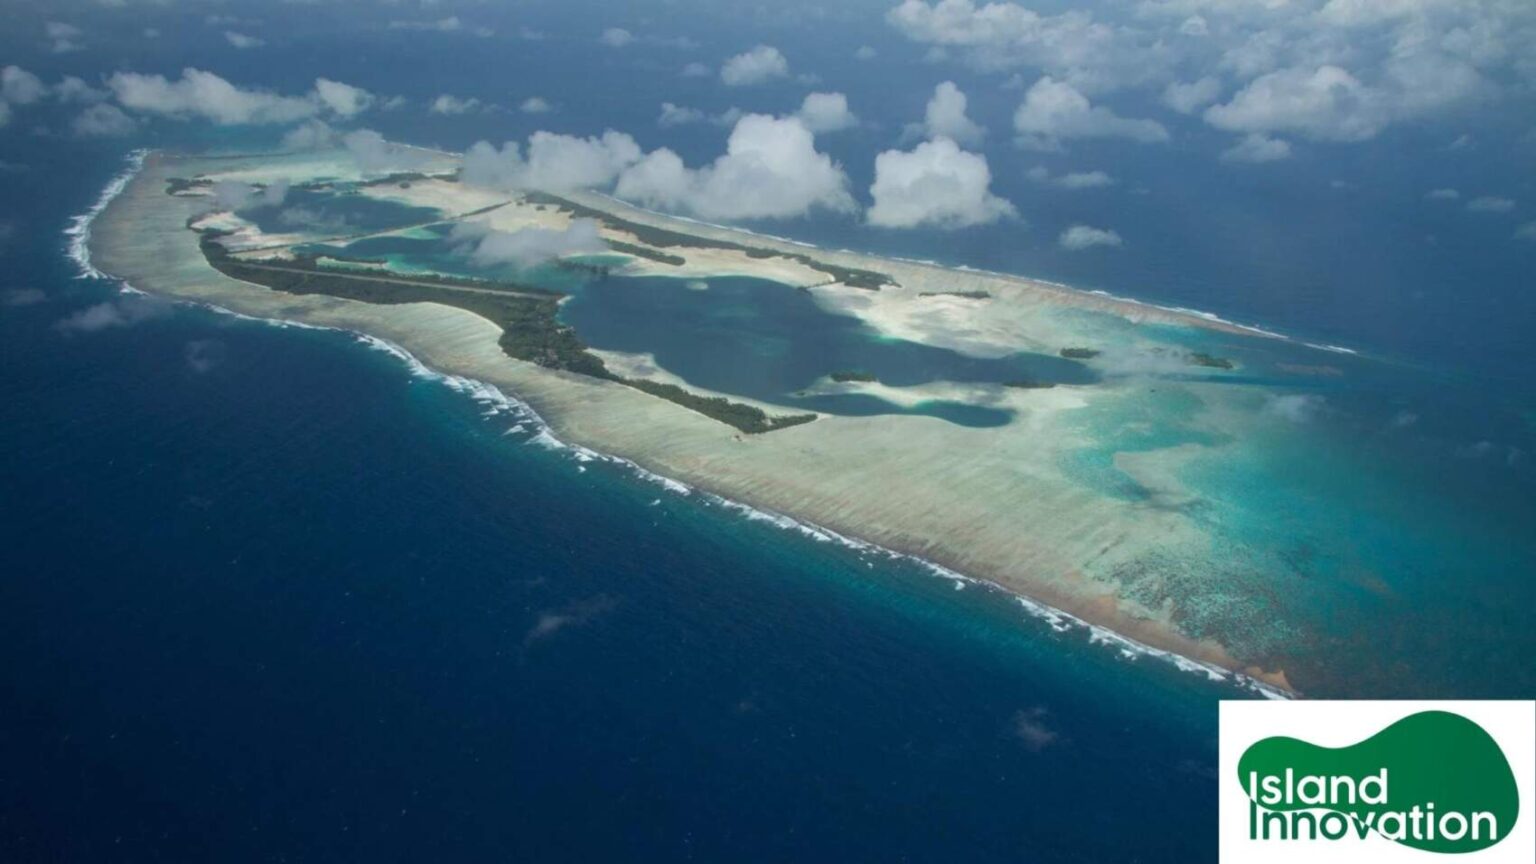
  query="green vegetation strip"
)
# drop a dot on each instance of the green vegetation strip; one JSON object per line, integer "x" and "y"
{"x": 1198, "y": 358}
{"x": 1203, "y": 359}
{"x": 527, "y": 316}
{"x": 969, "y": 295}
{"x": 663, "y": 238}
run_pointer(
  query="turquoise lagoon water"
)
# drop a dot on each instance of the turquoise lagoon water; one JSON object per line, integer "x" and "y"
{"x": 1348, "y": 514}
{"x": 740, "y": 336}
{"x": 764, "y": 340}
{"x": 1354, "y": 530}
{"x": 335, "y": 212}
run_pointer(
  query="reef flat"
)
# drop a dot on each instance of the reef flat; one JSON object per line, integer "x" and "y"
{"x": 1067, "y": 504}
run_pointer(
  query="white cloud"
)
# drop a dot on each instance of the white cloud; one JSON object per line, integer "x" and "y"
{"x": 204, "y": 355}
{"x": 554, "y": 162}
{"x": 1085, "y": 180}
{"x": 343, "y": 100}
{"x": 682, "y": 115}
{"x": 72, "y": 90}
{"x": 1054, "y": 110}
{"x": 64, "y": 38}
{"x": 240, "y": 40}
{"x": 763, "y": 63}
{"x": 1442, "y": 194}
{"x": 315, "y": 221}
{"x": 945, "y": 116}
{"x": 1256, "y": 148}
{"x": 1187, "y": 98}
{"x": 580, "y": 613}
{"x": 1071, "y": 180}
{"x": 233, "y": 195}
{"x": 1080, "y": 237}
{"x": 15, "y": 297}
{"x": 1490, "y": 204}
{"x": 375, "y": 155}
{"x": 535, "y": 105}
{"x": 450, "y": 104}
{"x": 864, "y": 53}
{"x": 1071, "y": 46}
{"x": 1526, "y": 231}
{"x": 206, "y": 95}
{"x": 112, "y": 314}
{"x": 1326, "y": 103}
{"x": 309, "y": 135}
{"x": 451, "y": 24}
{"x": 527, "y": 247}
{"x": 1297, "y": 408}
{"x": 697, "y": 70}
{"x": 567, "y": 162}
{"x": 678, "y": 115}
{"x": 936, "y": 184}
{"x": 770, "y": 170}
{"x": 616, "y": 37}
{"x": 1404, "y": 59}
{"x": 826, "y": 112}
{"x": 1257, "y": 53}
{"x": 20, "y": 87}
{"x": 102, "y": 121}
{"x": 1359, "y": 13}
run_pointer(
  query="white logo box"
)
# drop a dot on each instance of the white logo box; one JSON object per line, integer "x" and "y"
{"x": 1512, "y": 724}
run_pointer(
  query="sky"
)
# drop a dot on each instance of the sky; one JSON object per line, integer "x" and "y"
{"x": 1101, "y": 143}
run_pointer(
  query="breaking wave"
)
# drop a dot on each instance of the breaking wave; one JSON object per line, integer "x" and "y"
{"x": 79, "y": 230}
{"x": 539, "y": 434}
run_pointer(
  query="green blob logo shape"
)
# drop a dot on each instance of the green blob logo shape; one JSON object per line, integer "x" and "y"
{"x": 1433, "y": 757}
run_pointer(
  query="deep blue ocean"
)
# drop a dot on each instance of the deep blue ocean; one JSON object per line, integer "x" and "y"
{"x": 267, "y": 595}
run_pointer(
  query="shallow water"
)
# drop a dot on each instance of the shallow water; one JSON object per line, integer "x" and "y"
{"x": 767, "y": 341}
{"x": 334, "y": 212}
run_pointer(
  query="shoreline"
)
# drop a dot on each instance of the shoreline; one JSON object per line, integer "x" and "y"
{"x": 1058, "y": 620}
{"x": 1057, "y": 615}
{"x": 79, "y": 229}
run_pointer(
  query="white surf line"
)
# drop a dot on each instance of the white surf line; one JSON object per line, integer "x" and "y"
{"x": 1057, "y": 619}
{"x": 497, "y": 402}
{"x": 79, "y": 230}
{"x": 540, "y": 434}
